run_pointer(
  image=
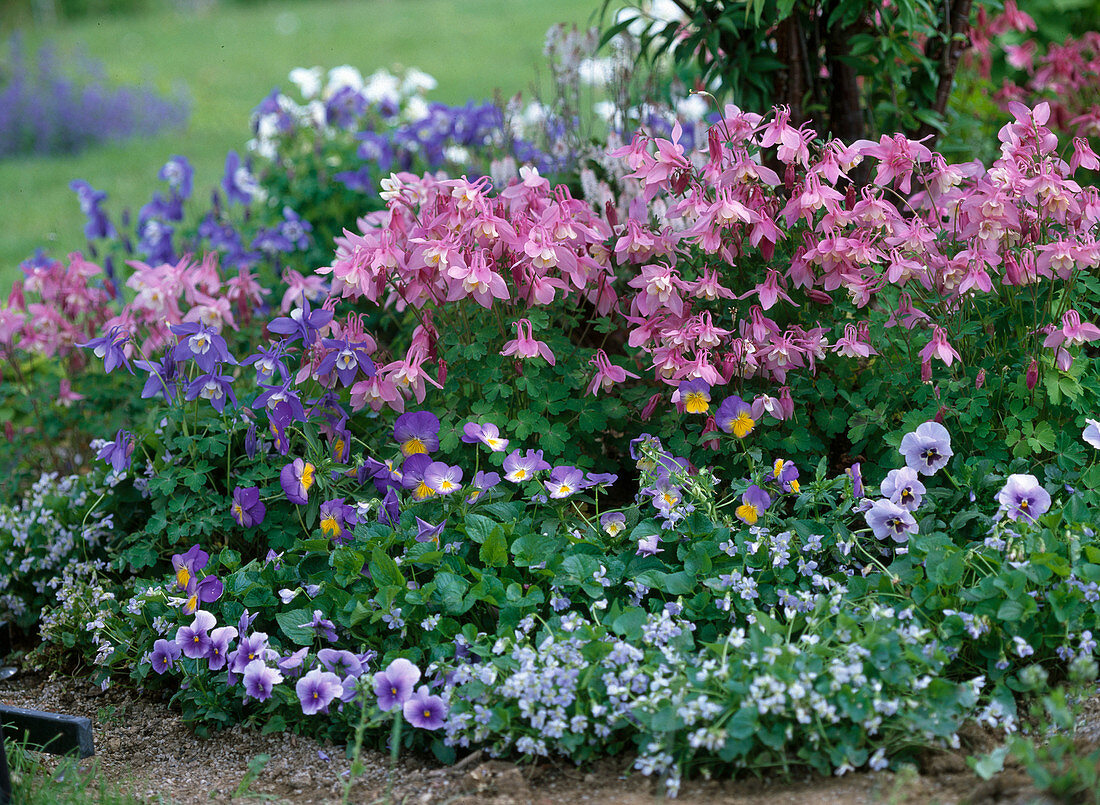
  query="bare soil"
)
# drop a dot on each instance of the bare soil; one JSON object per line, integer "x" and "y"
{"x": 143, "y": 747}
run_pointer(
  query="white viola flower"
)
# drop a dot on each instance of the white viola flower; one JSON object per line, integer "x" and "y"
{"x": 308, "y": 81}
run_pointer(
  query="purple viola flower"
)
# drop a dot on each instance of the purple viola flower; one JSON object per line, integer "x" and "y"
{"x": 202, "y": 343}
{"x": 666, "y": 496}
{"x": 163, "y": 380}
{"x": 164, "y": 656}
{"x": 785, "y": 474}
{"x": 888, "y": 519}
{"x": 214, "y": 387}
{"x": 518, "y": 469}
{"x": 267, "y": 362}
{"x": 389, "y": 513}
{"x": 412, "y": 476}
{"x": 417, "y": 432}
{"x": 340, "y": 443}
{"x": 564, "y": 481}
{"x": 251, "y": 648}
{"x": 202, "y": 591}
{"x": 394, "y": 686}
{"x": 1091, "y": 433}
{"x": 248, "y": 510}
{"x": 119, "y": 452}
{"x": 1023, "y": 498}
{"x": 613, "y": 523}
{"x": 694, "y": 395}
{"x": 442, "y": 478}
{"x": 424, "y": 710}
{"x": 194, "y": 640}
{"x": 347, "y": 360}
{"x": 187, "y": 565}
{"x": 296, "y": 479}
{"x": 260, "y": 679}
{"x": 302, "y": 323}
{"x": 649, "y": 545}
{"x": 487, "y": 434}
{"x": 639, "y": 446}
{"x": 734, "y": 416}
{"x": 341, "y": 663}
{"x": 239, "y": 183}
{"x": 903, "y": 487}
{"x": 855, "y": 473}
{"x": 323, "y": 627}
{"x": 291, "y": 664}
{"x": 600, "y": 479}
{"x": 336, "y": 517}
{"x": 281, "y": 394}
{"x": 426, "y": 532}
{"x": 111, "y": 347}
{"x": 754, "y": 503}
{"x": 179, "y": 174}
{"x": 482, "y": 483}
{"x": 927, "y": 449}
{"x": 219, "y": 646}
{"x": 316, "y": 690}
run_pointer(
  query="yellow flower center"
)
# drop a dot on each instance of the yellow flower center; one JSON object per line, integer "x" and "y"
{"x": 778, "y": 469}
{"x": 307, "y": 476}
{"x": 748, "y": 513}
{"x": 329, "y": 526}
{"x": 696, "y": 403}
{"x": 743, "y": 425}
{"x": 183, "y": 575}
{"x": 520, "y": 474}
{"x": 445, "y": 485}
{"x": 423, "y": 491}
{"x": 564, "y": 489}
{"x": 413, "y": 446}
{"x": 794, "y": 486}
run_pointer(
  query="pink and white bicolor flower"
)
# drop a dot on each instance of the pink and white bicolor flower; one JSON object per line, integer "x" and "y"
{"x": 524, "y": 344}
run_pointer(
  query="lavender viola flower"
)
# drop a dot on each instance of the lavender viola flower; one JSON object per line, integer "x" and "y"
{"x": 1091, "y": 433}
{"x": 247, "y": 509}
{"x": 518, "y": 469}
{"x": 119, "y": 452}
{"x": 163, "y": 380}
{"x": 251, "y": 648}
{"x": 201, "y": 343}
{"x": 600, "y": 479}
{"x": 887, "y": 519}
{"x": 424, "y": 710}
{"x": 239, "y": 183}
{"x": 855, "y": 473}
{"x": 417, "y": 432}
{"x": 302, "y": 323}
{"x": 214, "y": 387}
{"x": 187, "y": 565}
{"x": 487, "y": 434}
{"x": 442, "y": 478}
{"x": 194, "y": 640}
{"x": 164, "y": 656}
{"x": 639, "y": 446}
{"x": 341, "y": 663}
{"x": 291, "y": 664}
{"x": 347, "y": 360}
{"x": 649, "y": 546}
{"x": 336, "y": 517}
{"x": 426, "y": 532}
{"x": 323, "y": 627}
{"x": 394, "y": 686}
{"x": 111, "y": 348}
{"x": 734, "y": 416}
{"x": 260, "y": 679}
{"x": 482, "y": 483}
{"x": 1023, "y": 498}
{"x": 563, "y": 482}
{"x": 613, "y": 523}
{"x": 316, "y": 690}
{"x": 202, "y": 591}
{"x": 286, "y": 393}
{"x": 903, "y": 487}
{"x": 296, "y": 479}
{"x": 250, "y": 441}
{"x": 754, "y": 503}
{"x": 267, "y": 362}
{"x": 219, "y": 646}
{"x": 927, "y": 449}
{"x": 340, "y": 442}
{"x": 785, "y": 474}
{"x": 389, "y": 513}
{"x": 666, "y": 496}
{"x": 694, "y": 395}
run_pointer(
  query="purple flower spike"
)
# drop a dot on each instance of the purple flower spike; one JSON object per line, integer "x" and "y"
{"x": 417, "y": 432}
{"x": 488, "y": 434}
{"x": 927, "y": 449}
{"x": 1091, "y": 434}
{"x": 118, "y": 452}
{"x": 753, "y": 504}
{"x": 1023, "y": 498}
{"x": 563, "y": 482}
{"x": 887, "y": 519}
{"x": 694, "y": 395}
{"x": 424, "y": 710}
{"x": 194, "y": 640}
{"x": 426, "y": 532}
{"x": 395, "y": 685}
{"x": 904, "y": 488}
{"x": 296, "y": 479}
{"x": 316, "y": 690}
{"x": 248, "y": 510}
{"x": 443, "y": 478}
{"x": 164, "y": 656}
{"x": 111, "y": 347}
{"x": 260, "y": 679}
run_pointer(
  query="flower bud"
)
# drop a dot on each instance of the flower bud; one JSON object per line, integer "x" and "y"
{"x": 926, "y": 371}
{"x": 612, "y": 214}
{"x": 980, "y": 380}
{"x": 1032, "y": 375}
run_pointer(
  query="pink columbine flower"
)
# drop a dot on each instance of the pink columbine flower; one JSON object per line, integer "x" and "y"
{"x": 525, "y": 346}
{"x": 939, "y": 347}
{"x": 607, "y": 374}
{"x": 1074, "y": 332}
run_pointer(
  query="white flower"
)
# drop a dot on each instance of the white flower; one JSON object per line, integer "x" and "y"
{"x": 344, "y": 76}
{"x": 307, "y": 80}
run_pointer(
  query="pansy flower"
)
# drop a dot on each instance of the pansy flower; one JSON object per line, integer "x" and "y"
{"x": 296, "y": 479}
{"x": 389, "y": 513}
{"x": 1023, "y": 498}
{"x": 316, "y": 690}
{"x": 734, "y": 416}
{"x": 927, "y": 449}
{"x": 1091, "y": 433}
{"x": 443, "y": 478}
{"x": 518, "y": 469}
{"x": 247, "y": 509}
{"x": 424, "y": 710}
{"x": 336, "y": 516}
{"x": 186, "y": 565}
{"x": 260, "y": 679}
{"x": 164, "y": 655}
{"x": 855, "y": 473}
{"x": 278, "y": 419}
{"x": 249, "y": 649}
{"x": 694, "y": 395}
{"x": 394, "y": 686}
{"x": 202, "y": 591}
{"x": 340, "y": 662}
{"x": 754, "y": 503}
{"x": 666, "y": 496}
{"x": 417, "y": 432}
{"x": 903, "y": 487}
{"x": 412, "y": 476}
{"x": 322, "y": 626}
{"x": 613, "y": 523}
{"x": 563, "y": 482}
{"x": 426, "y": 532}
{"x": 888, "y": 519}
{"x": 488, "y": 434}
{"x": 649, "y": 545}
{"x": 219, "y": 646}
{"x": 785, "y": 474}
{"x": 482, "y": 483}
{"x": 194, "y": 640}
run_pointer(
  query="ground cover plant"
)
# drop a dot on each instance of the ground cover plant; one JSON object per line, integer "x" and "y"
{"x": 615, "y": 464}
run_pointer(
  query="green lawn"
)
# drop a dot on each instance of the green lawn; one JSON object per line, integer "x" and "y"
{"x": 230, "y": 57}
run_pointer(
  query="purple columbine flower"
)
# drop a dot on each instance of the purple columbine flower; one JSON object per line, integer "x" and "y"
{"x": 219, "y": 646}
{"x": 564, "y": 481}
{"x": 1091, "y": 433}
{"x": 754, "y": 503}
{"x": 417, "y": 432}
{"x": 194, "y": 640}
{"x": 1023, "y": 497}
{"x": 927, "y": 449}
{"x": 323, "y": 627}
{"x": 111, "y": 347}
{"x": 119, "y": 452}
{"x": 424, "y": 710}
{"x": 164, "y": 656}
{"x": 336, "y": 516}
{"x": 179, "y": 174}
{"x": 347, "y": 360}
{"x": 316, "y": 690}
{"x": 163, "y": 380}
{"x": 286, "y": 393}
{"x": 395, "y": 685}
{"x": 442, "y": 478}
{"x": 519, "y": 469}
{"x": 248, "y": 510}
{"x": 214, "y": 387}
{"x": 904, "y": 488}
{"x": 278, "y": 419}
{"x": 202, "y": 343}
{"x": 268, "y": 362}
{"x": 239, "y": 183}
{"x": 694, "y": 395}
{"x": 888, "y": 519}
{"x": 296, "y": 479}
{"x": 426, "y": 532}
{"x": 855, "y": 473}
{"x": 250, "y": 441}
{"x": 488, "y": 434}
{"x": 186, "y": 565}
{"x": 389, "y": 513}
{"x": 260, "y": 679}
{"x": 341, "y": 663}
{"x": 302, "y": 323}
{"x": 734, "y": 416}
{"x": 613, "y": 523}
